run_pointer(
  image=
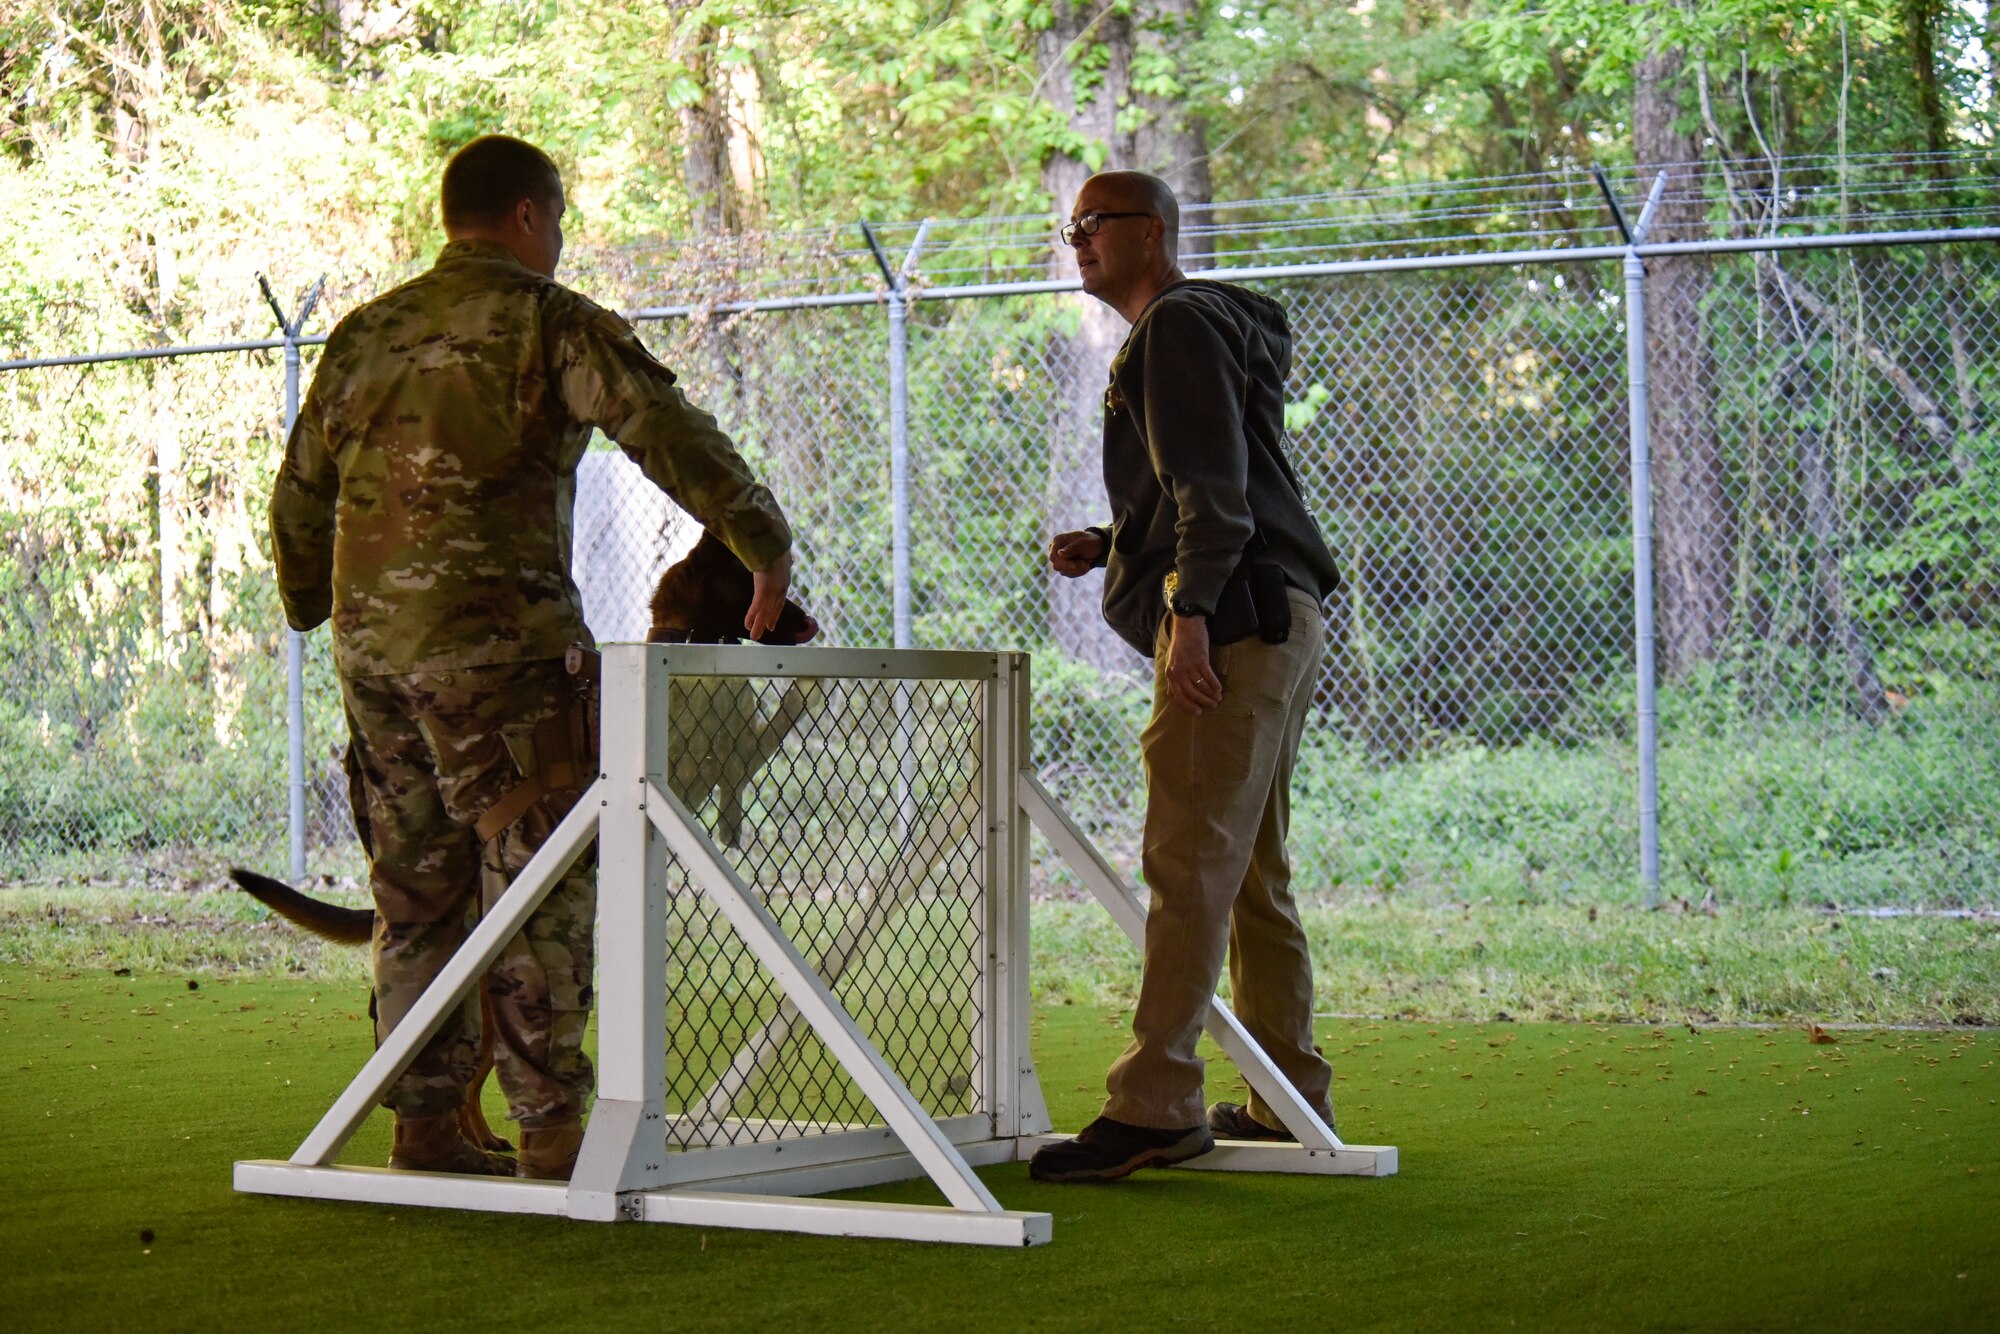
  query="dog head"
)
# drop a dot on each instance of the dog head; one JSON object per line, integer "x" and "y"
{"x": 705, "y": 594}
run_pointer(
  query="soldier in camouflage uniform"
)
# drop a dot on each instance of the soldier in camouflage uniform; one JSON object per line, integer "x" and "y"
{"x": 424, "y": 507}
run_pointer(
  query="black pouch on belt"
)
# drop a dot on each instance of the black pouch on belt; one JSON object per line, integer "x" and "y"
{"x": 1235, "y": 615}
{"x": 1271, "y": 599}
{"x": 1252, "y": 601}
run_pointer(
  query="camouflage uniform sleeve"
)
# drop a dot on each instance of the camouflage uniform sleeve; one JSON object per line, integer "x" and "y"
{"x": 302, "y": 520}
{"x": 609, "y": 380}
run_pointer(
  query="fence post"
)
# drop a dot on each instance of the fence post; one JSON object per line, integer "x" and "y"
{"x": 1643, "y": 645}
{"x": 295, "y": 641}
{"x": 899, "y": 427}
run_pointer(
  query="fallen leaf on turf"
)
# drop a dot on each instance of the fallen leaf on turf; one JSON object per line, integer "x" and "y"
{"x": 1701, "y": 1093}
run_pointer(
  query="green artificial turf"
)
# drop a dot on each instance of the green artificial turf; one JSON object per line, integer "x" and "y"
{"x": 1561, "y": 1176}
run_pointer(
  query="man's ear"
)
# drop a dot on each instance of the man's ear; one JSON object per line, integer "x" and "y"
{"x": 524, "y": 216}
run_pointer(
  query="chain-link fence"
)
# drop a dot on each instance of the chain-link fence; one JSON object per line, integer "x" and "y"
{"x": 1824, "y": 482}
{"x": 1826, "y": 476}
{"x": 142, "y": 724}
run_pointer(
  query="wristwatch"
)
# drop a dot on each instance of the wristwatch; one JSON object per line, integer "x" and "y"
{"x": 1177, "y": 604}
{"x": 1104, "y": 547}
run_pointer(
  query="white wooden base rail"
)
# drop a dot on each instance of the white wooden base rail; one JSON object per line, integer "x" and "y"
{"x": 817, "y": 1095}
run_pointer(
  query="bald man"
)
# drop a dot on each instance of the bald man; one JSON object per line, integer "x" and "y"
{"x": 1205, "y": 503}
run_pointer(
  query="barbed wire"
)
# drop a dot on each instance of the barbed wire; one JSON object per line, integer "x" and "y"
{"x": 1793, "y": 196}
{"x": 1802, "y": 195}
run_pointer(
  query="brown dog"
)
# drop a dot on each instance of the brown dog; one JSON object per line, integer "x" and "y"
{"x": 719, "y": 743}
{"x": 700, "y": 599}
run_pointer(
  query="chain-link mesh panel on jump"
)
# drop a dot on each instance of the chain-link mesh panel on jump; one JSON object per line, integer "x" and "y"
{"x": 852, "y": 808}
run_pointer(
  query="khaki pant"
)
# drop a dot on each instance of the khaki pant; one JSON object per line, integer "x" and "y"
{"x": 1217, "y": 806}
{"x": 436, "y": 749}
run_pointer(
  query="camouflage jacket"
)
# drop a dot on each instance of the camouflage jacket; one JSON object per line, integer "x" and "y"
{"x": 425, "y": 497}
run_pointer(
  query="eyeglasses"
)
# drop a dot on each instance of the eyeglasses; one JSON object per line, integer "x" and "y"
{"x": 1089, "y": 223}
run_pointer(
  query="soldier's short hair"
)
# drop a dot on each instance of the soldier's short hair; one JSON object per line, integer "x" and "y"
{"x": 487, "y": 177}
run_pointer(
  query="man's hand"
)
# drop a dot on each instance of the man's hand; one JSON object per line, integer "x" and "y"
{"x": 767, "y": 596}
{"x": 1190, "y": 675}
{"x": 1074, "y": 554}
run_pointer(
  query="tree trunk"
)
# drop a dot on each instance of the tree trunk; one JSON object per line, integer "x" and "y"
{"x": 720, "y": 166}
{"x": 1920, "y": 24}
{"x": 705, "y": 165}
{"x": 1167, "y": 141}
{"x": 1689, "y": 505}
{"x": 1825, "y": 521}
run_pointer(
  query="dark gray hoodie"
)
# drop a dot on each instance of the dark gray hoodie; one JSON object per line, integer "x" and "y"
{"x": 1194, "y": 455}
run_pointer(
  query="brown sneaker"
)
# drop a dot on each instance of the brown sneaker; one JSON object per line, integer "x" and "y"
{"x": 548, "y": 1153}
{"x": 1106, "y": 1150}
{"x": 434, "y": 1144}
{"x": 1231, "y": 1120}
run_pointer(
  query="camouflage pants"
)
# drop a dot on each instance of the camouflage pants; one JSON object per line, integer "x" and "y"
{"x": 435, "y": 750}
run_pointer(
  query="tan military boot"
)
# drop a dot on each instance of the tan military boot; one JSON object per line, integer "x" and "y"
{"x": 434, "y": 1144}
{"x": 548, "y": 1153}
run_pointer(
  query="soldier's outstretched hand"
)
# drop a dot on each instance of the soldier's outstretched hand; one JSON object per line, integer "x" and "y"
{"x": 767, "y": 596}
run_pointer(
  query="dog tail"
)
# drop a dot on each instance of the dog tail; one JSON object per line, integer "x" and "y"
{"x": 348, "y": 926}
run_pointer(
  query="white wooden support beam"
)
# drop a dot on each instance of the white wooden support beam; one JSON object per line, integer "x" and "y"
{"x": 1238, "y": 1155}
{"x": 723, "y": 1204}
{"x": 1013, "y": 1090}
{"x": 625, "y": 1143}
{"x": 417, "y": 1190}
{"x": 848, "y": 1171}
{"x": 1125, "y": 907}
{"x": 843, "y": 1218}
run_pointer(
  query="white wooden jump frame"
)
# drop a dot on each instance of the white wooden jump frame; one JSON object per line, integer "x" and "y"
{"x": 625, "y": 1170}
